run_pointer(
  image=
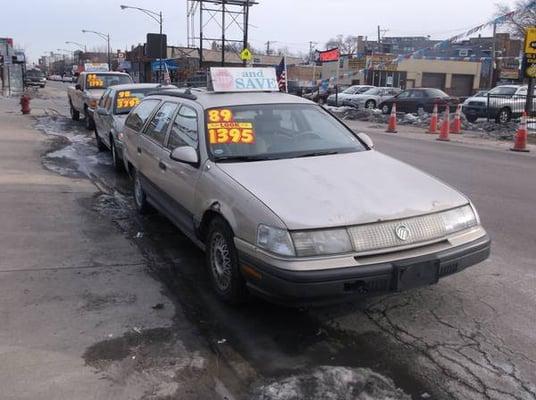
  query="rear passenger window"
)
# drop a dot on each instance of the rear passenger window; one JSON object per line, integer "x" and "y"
{"x": 139, "y": 115}
{"x": 184, "y": 129}
{"x": 158, "y": 126}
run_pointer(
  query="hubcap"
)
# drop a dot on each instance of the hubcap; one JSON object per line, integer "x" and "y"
{"x": 220, "y": 261}
{"x": 503, "y": 117}
{"x": 385, "y": 109}
{"x": 370, "y": 105}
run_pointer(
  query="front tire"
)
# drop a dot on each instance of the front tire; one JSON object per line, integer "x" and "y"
{"x": 371, "y": 104}
{"x": 140, "y": 198}
{"x": 471, "y": 118}
{"x": 100, "y": 144}
{"x": 90, "y": 124}
{"x": 118, "y": 163}
{"x": 222, "y": 261}
{"x": 75, "y": 115}
{"x": 504, "y": 116}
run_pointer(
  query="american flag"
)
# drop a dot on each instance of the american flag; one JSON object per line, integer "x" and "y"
{"x": 281, "y": 72}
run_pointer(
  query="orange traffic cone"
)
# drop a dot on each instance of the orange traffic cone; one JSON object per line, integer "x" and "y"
{"x": 445, "y": 127}
{"x": 520, "y": 140}
{"x": 391, "y": 128}
{"x": 456, "y": 126}
{"x": 433, "y": 121}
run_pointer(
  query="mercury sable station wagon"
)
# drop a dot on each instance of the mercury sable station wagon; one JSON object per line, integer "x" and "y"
{"x": 290, "y": 204}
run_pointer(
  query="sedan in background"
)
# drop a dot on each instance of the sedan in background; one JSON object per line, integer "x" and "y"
{"x": 413, "y": 100}
{"x": 337, "y": 99}
{"x": 371, "y": 98}
{"x": 112, "y": 111}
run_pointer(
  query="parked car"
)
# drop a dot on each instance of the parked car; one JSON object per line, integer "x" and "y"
{"x": 90, "y": 87}
{"x": 413, "y": 100}
{"x": 501, "y": 103}
{"x": 371, "y": 98}
{"x": 337, "y": 99}
{"x": 111, "y": 112}
{"x": 286, "y": 201}
{"x": 35, "y": 77}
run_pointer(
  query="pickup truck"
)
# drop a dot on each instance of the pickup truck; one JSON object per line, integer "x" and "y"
{"x": 89, "y": 88}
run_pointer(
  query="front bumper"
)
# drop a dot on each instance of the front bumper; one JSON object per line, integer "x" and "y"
{"x": 337, "y": 285}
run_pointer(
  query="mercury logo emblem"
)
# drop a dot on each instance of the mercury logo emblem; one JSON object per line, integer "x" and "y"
{"x": 402, "y": 232}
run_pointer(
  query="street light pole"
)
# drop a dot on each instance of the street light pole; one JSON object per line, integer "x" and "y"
{"x": 157, "y": 16}
{"x": 105, "y": 37}
{"x": 80, "y": 45}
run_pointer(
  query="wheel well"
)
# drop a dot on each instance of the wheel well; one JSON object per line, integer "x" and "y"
{"x": 208, "y": 216}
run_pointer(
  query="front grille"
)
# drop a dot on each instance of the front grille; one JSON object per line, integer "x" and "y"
{"x": 383, "y": 235}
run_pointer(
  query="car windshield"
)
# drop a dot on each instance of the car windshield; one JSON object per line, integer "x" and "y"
{"x": 35, "y": 74}
{"x": 371, "y": 91}
{"x": 362, "y": 90}
{"x": 126, "y": 100}
{"x": 103, "y": 81}
{"x": 504, "y": 91}
{"x": 436, "y": 93}
{"x": 276, "y": 131}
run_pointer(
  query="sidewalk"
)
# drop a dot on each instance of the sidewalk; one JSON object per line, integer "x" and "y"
{"x": 76, "y": 300}
{"x": 411, "y": 132}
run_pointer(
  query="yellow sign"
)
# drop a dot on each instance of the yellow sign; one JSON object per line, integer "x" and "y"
{"x": 246, "y": 55}
{"x": 530, "y": 41}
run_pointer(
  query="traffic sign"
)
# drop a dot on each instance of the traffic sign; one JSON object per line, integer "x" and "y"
{"x": 530, "y": 53}
{"x": 246, "y": 55}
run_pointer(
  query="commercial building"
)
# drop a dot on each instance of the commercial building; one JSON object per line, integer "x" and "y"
{"x": 12, "y": 63}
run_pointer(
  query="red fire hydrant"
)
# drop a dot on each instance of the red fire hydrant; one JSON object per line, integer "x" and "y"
{"x": 25, "y": 104}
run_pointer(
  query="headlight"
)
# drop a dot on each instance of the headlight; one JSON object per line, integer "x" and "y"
{"x": 275, "y": 240}
{"x": 459, "y": 219}
{"x": 315, "y": 243}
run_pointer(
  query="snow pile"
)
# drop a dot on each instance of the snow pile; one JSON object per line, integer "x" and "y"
{"x": 332, "y": 383}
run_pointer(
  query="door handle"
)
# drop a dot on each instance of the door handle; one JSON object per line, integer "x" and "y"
{"x": 139, "y": 150}
{"x": 162, "y": 166}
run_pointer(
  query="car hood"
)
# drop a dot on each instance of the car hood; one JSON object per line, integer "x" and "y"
{"x": 95, "y": 93}
{"x": 343, "y": 189}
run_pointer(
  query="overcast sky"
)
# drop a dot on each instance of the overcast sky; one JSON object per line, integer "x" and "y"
{"x": 44, "y": 25}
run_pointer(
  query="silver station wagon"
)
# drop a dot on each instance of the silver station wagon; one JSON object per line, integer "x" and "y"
{"x": 289, "y": 203}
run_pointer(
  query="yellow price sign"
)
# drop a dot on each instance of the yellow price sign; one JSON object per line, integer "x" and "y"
{"x": 127, "y": 102}
{"x": 228, "y": 133}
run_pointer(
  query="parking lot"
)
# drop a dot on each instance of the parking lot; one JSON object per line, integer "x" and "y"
{"x": 109, "y": 304}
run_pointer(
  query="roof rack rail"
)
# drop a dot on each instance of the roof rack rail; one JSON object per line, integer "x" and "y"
{"x": 171, "y": 92}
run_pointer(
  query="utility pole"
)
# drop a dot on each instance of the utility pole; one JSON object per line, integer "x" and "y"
{"x": 246, "y": 28}
{"x": 493, "y": 56}
{"x": 379, "y": 40}
{"x": 268, "y": 51}
{"x": 311, "y": 46}
{"x": 223, "y": 33}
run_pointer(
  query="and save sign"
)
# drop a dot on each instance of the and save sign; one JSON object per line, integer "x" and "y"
{"x": 530, "y": 53}
{"x": 244, "y": 79}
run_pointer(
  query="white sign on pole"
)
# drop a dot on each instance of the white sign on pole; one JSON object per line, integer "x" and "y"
{"x": 244, "y": 79}
{"x": 96, "y": 67}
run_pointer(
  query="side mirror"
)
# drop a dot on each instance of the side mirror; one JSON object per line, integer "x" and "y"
{"x": 78, "y": 87}
{"x": 185, "y": 154}
{"x": 366, "y": 138}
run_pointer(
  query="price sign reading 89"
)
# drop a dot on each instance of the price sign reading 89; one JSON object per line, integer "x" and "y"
{"x": 223, "y": 115}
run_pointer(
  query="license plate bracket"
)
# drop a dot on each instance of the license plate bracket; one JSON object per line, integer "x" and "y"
{"x": 415, "y": 275}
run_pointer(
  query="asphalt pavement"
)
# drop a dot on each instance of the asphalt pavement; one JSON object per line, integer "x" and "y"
{"x": 98, "y": 302}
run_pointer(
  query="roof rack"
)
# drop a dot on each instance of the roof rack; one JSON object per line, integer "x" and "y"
{"x": 171, "y": 92}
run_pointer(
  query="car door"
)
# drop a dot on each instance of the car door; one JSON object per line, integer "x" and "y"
{"x": 402, "y": 100}
{"x": 134, "y": 124}
{"x": 98, "y": 116}
{"x": 108, "y": 118}
{"x": 150, "y": 147}
{"x": 416, "y": 100}
{"x": 179, "y": 179}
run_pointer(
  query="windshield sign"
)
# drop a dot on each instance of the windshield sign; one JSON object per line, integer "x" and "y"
{"x": 103, "y": 81}
{"x": 126, "y": 100}
{"x": 276, "y": 131}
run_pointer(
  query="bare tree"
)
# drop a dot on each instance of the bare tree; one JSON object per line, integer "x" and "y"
{"x": 347, "y": 45}
{"x": 520, "y": 21}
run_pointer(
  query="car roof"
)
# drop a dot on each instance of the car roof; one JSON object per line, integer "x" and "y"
{"x": 132, "y": 86}
{"x": 209, "y": 99}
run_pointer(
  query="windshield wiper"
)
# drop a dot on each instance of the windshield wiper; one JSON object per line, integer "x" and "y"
{"x": 242, "y": 158}
{"x": 318, "y": 153}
